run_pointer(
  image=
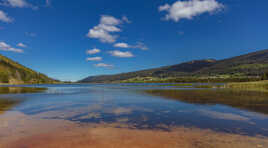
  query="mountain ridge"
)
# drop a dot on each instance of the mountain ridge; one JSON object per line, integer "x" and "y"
{"x": 252, "y": 64}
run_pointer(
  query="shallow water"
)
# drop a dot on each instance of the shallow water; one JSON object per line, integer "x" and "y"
{"x": 140, "y": 107}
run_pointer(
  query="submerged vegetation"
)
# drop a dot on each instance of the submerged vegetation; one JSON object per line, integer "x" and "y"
{"x": 9, "y": 103}
{"x": 250, "y": 100}
{"x": 6, "y": 104}
{"x": 250, "y": 86}
{"x": 15, "y": 90}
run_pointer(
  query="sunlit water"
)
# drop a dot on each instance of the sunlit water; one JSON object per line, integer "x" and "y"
{"x": 139, "y": 107}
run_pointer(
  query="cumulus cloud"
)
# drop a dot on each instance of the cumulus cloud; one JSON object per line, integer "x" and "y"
{"x": 109, "y": 20}
{"x": 121, "y": 54}
{"x": 21, "y": 45}
{"x": 188, "y": 9}
{"x": 104, "y": 65}
{"x": 94, "y": 59}
{"x": 93, "y": 51}
{"x": 5, "y": 47}
{"x": 103, "y": 31}
{"x": 139, "y": 45}
{"x": 122, "y": 45}
{"x": 4, "y": 17}
{"x": 18, "y": 4}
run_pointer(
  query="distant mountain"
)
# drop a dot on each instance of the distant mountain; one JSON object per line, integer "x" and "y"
{"x": 248, "y": 65}
{"x": 252, "y": 64}
{"x": 14, "y": 73}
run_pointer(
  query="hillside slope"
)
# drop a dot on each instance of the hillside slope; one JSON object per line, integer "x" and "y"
{"x": 14, "y": 73}
{"x": 252, "y": 64}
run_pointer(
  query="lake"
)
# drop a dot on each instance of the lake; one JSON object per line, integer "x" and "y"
{"x": 131, "y": 115}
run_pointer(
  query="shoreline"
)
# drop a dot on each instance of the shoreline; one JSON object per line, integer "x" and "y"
{"x": 260, "y": 86}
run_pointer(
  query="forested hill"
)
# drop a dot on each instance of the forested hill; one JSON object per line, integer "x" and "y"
{"x": 14, "y": 73}
{"x": 248, "y": 65}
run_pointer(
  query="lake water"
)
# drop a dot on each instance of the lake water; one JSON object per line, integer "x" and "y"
{"x": 134, "y": 107}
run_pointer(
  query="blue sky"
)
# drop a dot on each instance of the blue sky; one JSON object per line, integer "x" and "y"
{"x": 70, "y": 40}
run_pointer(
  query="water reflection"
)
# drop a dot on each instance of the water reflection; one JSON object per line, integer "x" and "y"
{"x": 160, "y": 109}
{"x": 7, "y": 104}
{"x": 249, "y": 100}
{"x": 19, "y": 90}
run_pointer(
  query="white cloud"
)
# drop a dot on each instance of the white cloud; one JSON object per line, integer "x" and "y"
{"x": 4, "y": 17}
{"x": 93, "y": 51}
{"x": 109, "y": 20}
{"x": 5, "y": 47}
{"x": 103, "y": 31}
{"x": 94, "y": 59}
{"x": 188, "y": 9}
{"x": 104, "y": 65}
{"x": 122, "y": 45}
{"x": 121, "y": 54}
{"x": 138, "y": 45}
{"x": 18, "y": 4}
{"x": 21, "y": 45}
